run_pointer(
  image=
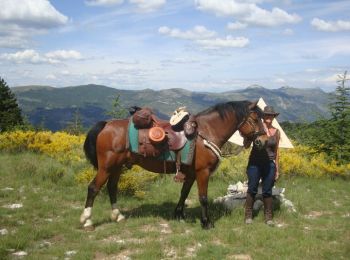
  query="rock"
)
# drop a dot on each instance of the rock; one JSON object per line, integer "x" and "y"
{"x": 7, "y": 189}
{"x": 237, "y": 193}
{"x": 3, "y": 231}
{"x": 70, "y": 253}
{"x": 13, "y": 206}
{"x": 20, "y": 253}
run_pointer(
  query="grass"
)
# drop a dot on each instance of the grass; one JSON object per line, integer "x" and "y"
{"x": 47, "y": 226}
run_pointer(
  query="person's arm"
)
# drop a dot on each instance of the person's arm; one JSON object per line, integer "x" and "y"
{"x": 277, "y": 155}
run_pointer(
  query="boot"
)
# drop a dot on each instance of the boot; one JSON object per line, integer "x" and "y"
{"x": 248, "y": 218}
{"x": 268, "y": 211}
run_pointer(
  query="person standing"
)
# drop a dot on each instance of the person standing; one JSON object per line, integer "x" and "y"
{"x": 263, "y": 165}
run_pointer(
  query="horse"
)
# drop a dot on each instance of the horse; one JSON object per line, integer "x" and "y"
{"x": 107, "y": 149}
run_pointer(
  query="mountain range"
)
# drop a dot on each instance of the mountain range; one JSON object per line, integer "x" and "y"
{"x": 54, "y": 108}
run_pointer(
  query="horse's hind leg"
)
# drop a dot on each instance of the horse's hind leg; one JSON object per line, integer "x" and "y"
{"x": 93, "y": 189}
{"x": 112, "y": 186}
{"x": 186, "y": 187}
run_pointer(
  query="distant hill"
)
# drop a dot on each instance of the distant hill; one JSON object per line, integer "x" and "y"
{"x": 55, "y": 107}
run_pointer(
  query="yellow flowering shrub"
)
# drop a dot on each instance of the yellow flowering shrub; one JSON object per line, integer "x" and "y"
{"x": 304, "y": 161}
{"x": 59, "y": 145}
{"x": 86, "y": 175}
{"x": 301, "y": 160}
{"x": 132, "y": 181}
{"x": 16, "y": 140}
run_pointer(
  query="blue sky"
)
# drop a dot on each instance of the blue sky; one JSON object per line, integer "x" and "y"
{"x": 199, "y": 45}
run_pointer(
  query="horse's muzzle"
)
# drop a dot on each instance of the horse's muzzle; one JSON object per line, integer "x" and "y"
{"x": 258, "y": 144}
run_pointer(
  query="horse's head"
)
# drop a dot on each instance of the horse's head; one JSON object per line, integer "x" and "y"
{"x": 251, "y": 128}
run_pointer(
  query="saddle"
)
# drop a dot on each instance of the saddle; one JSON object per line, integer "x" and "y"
{"x": 156, "y": 135}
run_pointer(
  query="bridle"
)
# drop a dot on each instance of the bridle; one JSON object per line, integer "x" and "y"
{"x": 248, "y": 120}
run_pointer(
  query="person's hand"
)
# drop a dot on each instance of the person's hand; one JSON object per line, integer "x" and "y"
{"x": 277, "y": 174}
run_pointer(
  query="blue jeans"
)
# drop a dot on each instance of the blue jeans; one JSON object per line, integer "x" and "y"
{"x": 264, "y": 171}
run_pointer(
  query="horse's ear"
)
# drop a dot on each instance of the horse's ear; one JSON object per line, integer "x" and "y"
{"x": 253, "y": 105}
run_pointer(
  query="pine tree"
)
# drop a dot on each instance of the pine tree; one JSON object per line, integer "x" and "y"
{"x": 75, "y": 127}
{"x": 10, "y": 113}
{"x": 340, "y": 123}
{"x": 118, "y": 111}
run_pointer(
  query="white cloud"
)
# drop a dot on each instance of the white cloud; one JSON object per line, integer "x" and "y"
{"x": 143, "y": 5}
{"x": 228, "y": 42}
{"x": 236, "y": 26}
{"x": 148, "y": 5}
{"x": 21, "y": 20}
{"x": 205, "y": 38}
{"x": 26, "y": 56}
{"x": 330, "y": 26}
{"x": 197, "y": 33}
{"x": 276, "y": 17}
{"x": 334, "y": 78}
{"x": 31, "y": 13}
{"x": 288, "y": 32}
{"x": 64, "y": 55}
{"x": 51, "y": 76}
{"x": 280, "y": 81}
{"x": 33, "y": 57}
{"x": 105, "y": 3}
{"x": 247, "y": 12}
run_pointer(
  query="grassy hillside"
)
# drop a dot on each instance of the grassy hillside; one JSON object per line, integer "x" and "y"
{"x": 54, "y": 107}
{"x": 47, "y": 225}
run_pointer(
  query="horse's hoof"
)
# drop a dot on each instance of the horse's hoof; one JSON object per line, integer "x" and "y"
{"x": 89, "y": 228}
{"x": 88, "y": 225}
{"x": 179, "y": 216}
{"x": 117, "y": 216}
{"x": 120, "y": 218}
{"x": 207, "y": 225}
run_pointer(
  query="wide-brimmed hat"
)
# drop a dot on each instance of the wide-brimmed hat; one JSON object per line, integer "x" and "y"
{"x": 268, "y": 110}
{"x": 178, "y": 115}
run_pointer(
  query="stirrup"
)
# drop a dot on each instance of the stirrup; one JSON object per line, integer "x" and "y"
{"x": 179, "y": 177}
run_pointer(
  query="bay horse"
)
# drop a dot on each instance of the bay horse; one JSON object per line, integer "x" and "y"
{"x": 107, "y": 149}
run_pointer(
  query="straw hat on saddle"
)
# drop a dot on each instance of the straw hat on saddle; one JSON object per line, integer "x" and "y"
{"x": 178, "y": 115}
{"x": 269, "y": 111}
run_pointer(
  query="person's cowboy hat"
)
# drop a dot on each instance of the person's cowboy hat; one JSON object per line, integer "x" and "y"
{"x": 178, "y": 115}
{"x": 268, "y": 110}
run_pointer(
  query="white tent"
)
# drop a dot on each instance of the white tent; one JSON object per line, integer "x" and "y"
{"x": 236, "y": 138}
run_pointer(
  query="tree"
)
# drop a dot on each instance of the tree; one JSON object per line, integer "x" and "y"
{"x": 331, "y": 136}
{"x": 118, "y": 111}
{"x": 340, "y": 123}
{"x": 75, "y": 127}
{"x": 10, "y": 113}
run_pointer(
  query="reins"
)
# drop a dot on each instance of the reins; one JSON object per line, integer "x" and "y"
{"x": 251, "y": 124}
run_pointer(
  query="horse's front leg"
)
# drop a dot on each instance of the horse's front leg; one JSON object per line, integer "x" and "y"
{"x": 112, "y": 186}
{"x": 93, "y": 189}
{"x": 186, "y": 187}
{"x": 202, "y": 182}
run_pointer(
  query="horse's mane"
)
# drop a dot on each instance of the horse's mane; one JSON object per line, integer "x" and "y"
{"x": 241, "y": 109}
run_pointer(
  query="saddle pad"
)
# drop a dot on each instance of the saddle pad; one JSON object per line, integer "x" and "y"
{"x": 187, "y": 151}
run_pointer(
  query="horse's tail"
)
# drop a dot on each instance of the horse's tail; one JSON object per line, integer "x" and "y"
{"x": 90, "y": 143}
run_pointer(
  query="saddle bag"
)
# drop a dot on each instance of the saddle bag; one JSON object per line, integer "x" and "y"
{"x": 190, "y": 127}
{"x": 148, "y": 147}
{"x": 142, "y": 118}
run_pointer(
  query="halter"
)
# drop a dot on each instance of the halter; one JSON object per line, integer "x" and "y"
{"x": 250, "y": 121}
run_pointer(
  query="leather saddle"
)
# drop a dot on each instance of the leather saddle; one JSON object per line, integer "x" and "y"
{"x": 173, "y": 140}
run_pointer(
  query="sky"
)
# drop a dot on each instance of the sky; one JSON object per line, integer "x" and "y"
{"x": 198, "y": 45}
